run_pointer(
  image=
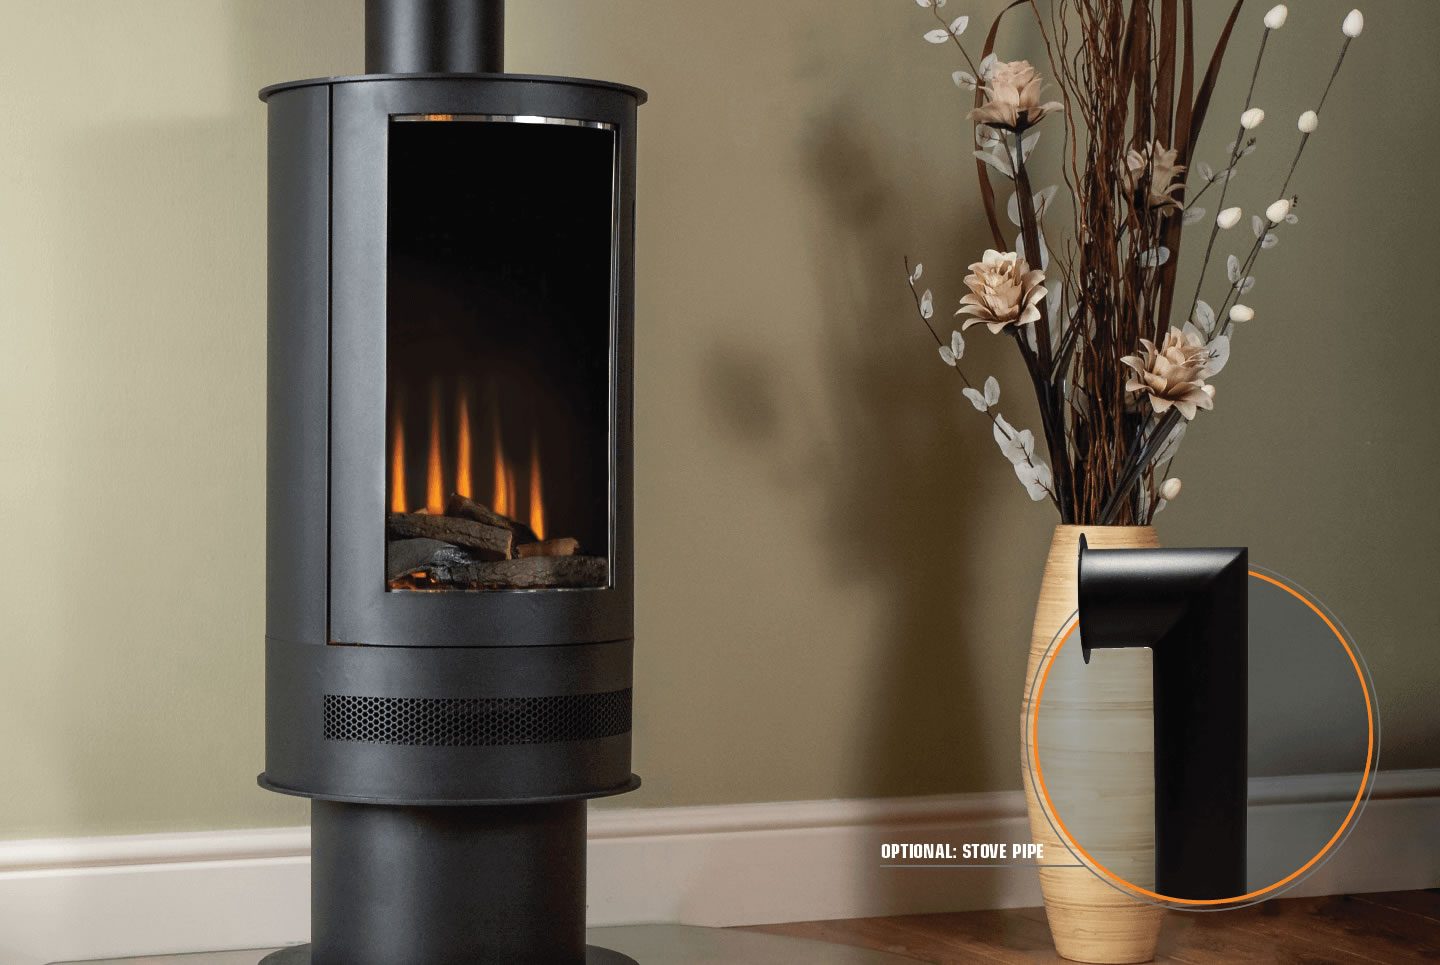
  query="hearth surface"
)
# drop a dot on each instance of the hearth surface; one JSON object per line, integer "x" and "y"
{"x": 647, "y": 944}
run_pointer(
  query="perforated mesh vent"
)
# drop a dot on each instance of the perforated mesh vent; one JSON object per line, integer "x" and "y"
{"x": 478, "y": 721}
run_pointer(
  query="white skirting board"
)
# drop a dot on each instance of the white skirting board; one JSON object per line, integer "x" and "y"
{"x": 81, "y": 898}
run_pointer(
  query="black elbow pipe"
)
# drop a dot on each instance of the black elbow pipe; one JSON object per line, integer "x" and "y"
{"x": 434, "y": 36}
{"x": 1190, "y": 607}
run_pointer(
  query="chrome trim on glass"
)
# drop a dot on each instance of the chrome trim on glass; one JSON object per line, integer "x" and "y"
{"x": 504, "y": 118}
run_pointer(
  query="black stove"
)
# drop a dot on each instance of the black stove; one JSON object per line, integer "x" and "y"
{"x": 449, "y": 549}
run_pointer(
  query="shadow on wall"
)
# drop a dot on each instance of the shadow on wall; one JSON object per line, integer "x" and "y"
{"x": 889, "y": 466}
{"x": 165, "y": 252}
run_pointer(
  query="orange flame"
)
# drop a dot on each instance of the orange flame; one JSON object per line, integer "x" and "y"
{"x": 434, "y": 483}
{"x": 397, "y": 463}
{"x": 504, "y": 486}
{"x": 537, "y": 501}
{"x": 463, "y": 485}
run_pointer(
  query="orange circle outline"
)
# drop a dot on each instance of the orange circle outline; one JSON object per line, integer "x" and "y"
{"x": 1126, "y": 885}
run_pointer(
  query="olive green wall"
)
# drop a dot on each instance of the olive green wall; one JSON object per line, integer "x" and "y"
{"x": 836, "y": 566}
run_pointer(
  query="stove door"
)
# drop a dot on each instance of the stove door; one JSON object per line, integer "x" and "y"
{"x": 481, "y": 346}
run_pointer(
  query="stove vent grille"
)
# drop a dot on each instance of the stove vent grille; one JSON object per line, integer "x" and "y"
{"x": 476, "y": 721}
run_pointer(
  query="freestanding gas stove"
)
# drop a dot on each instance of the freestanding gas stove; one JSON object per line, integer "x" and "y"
{"x": 449, "y": 587}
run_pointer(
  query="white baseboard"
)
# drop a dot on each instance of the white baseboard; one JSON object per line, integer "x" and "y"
{"x": 81, "y": 898}
{"x": 797, "y": 861}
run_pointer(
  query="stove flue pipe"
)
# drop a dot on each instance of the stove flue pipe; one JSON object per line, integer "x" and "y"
{"x": 434, "y": 36}
{"x": 1190, "y": 607}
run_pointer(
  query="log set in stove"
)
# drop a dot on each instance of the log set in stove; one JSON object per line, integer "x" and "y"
{"x": 449, "y": 578}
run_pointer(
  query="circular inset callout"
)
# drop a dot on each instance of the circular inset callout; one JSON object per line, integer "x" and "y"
{"x": 1313, "y": 744}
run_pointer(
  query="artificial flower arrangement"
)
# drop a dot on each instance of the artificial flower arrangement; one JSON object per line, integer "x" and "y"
{"x": 1119, "y": 362}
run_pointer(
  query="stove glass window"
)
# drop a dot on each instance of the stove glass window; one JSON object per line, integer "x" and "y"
{"x": 499, "y": 347}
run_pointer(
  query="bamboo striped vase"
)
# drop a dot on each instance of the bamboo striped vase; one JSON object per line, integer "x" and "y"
{"x": 1096, "y": 743}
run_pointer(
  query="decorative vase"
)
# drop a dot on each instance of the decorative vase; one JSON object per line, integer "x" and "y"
{"x": 1103, "y": 746}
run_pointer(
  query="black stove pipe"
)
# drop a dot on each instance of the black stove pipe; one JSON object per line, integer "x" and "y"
{"x": 1190, "y": 607}
{"x": 434, "y": 36}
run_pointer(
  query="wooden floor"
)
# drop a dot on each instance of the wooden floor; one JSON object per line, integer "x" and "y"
{"x": 1389, "y": 929}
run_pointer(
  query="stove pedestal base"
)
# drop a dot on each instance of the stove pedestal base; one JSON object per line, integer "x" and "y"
{"x": 449, "y": 885}
{"x": 300, "y": 955}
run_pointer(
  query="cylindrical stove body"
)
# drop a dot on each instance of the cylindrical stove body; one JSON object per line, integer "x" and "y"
{"x": 454, "y": 695}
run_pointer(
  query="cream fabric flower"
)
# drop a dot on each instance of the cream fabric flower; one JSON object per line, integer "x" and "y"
{"x": 1164, "y": 174}
{"x": 1004, "y": 291}
{"x": 1172, "y": 374}
{"x": 1012, "y": 97}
